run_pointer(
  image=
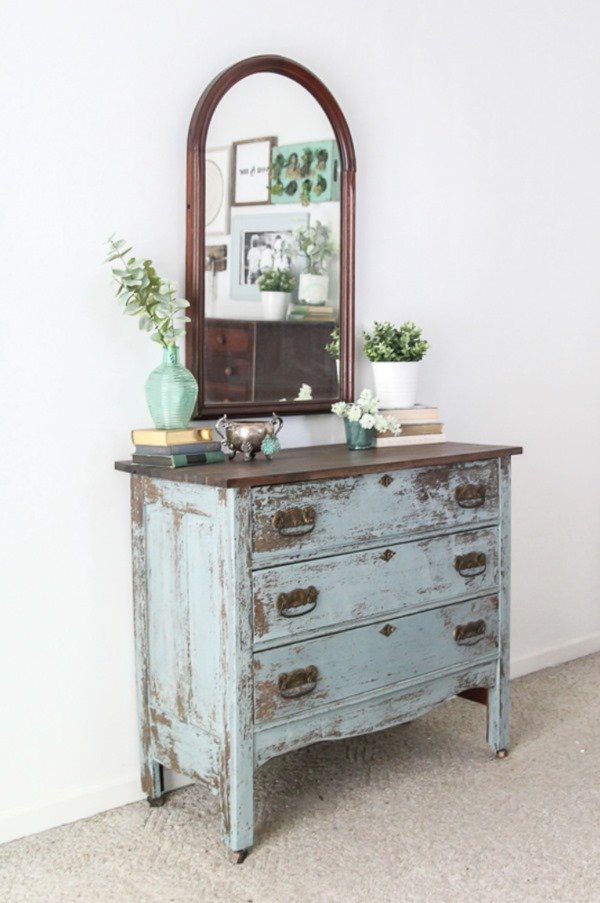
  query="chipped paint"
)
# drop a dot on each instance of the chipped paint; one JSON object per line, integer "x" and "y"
{"x": 216, "y": 652}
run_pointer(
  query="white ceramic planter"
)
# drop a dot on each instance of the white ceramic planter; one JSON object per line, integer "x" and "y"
{"x": 396, "y": 383}
{"x": 313, "y": 289}
{"x": 275, "y": 304}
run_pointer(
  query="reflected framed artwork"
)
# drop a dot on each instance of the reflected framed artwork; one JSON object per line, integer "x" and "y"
{"x": 218, "y": 190}
{"x": 251, "y": 171}
{"x": 256, "y": 240}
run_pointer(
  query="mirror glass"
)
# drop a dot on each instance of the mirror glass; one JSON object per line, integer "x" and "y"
{"x": 272, "y": 247}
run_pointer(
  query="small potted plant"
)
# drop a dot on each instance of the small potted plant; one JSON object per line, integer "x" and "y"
{"x": 316, "y": 245}
{"x": 171, "y": 390}
{"x": 362, "y": 420}
{"x": 395, "y": 352}
{"x": 333, "y": 348}
{"x": 275, "y": 293}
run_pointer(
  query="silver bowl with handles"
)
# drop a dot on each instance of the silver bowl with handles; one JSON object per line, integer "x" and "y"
{"x": 246, "y": 436}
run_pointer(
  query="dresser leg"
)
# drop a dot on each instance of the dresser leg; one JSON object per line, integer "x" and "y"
{"x": 237, "y": 812}
{"x": 153, "y": 782}
{"x": 497, "y": 718}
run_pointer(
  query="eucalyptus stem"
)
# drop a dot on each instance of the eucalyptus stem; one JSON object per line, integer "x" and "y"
{"x": 143, "y": 293}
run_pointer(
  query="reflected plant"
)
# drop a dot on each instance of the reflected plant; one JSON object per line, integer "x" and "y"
{"x": 276, "y": 281}
{"x": 305, "y": 193}
{"x": 317, "y": 244}
{"x": 333, "y": 346}
{"x": 322, "y": 158}
{"x": 304, "y": 393}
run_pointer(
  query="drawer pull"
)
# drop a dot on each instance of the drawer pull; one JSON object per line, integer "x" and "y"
{"x": 388, "y": 630}
{"x": 469, "y": 634}
{"x": 387, "y": 555}
{"x": 228, "y": 371}
{"x": 470, "y": 496}
{"x": 298, "y": 683}
{"x": 298, "y": 602}
{"x": 471, "y": 565}
{"x": 295, "y": 521}
{"x": 221, "y": 339}
{"x": 386, "y": 480}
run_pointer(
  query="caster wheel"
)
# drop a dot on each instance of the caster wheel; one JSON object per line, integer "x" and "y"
{"x": 236, "y": 857}
{"x": 502, "y": 754}
{"x": 156, "y": 801}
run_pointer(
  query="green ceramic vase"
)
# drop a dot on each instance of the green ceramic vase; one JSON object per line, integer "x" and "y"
{"x": 171, "y": 392}
{"x": 357, "y": 437}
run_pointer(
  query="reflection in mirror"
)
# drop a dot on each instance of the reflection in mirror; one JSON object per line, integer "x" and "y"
{"x": 272, "y": 243}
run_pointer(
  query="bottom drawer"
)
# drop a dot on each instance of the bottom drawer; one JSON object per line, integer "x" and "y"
{"x": 293, "y": 679}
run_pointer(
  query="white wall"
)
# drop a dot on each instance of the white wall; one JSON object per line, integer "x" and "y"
{"x": 478, "y": 139}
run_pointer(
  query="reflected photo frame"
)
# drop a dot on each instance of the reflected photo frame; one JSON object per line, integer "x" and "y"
{"x": 255, "y": 238}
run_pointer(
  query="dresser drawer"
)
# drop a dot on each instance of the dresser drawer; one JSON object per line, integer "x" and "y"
{"x": 229, "y": 369}
{"x": 315, "y": 595}
{"x": 297, "y": 678}
{"x": 223, "y": 337}
{"x": 307, "y": 519}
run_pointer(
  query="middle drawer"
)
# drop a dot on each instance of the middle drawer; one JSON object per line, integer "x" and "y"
{"x": 311, "y": 596}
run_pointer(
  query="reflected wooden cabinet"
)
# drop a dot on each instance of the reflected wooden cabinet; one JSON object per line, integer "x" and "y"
{"x": 258, "y": 360}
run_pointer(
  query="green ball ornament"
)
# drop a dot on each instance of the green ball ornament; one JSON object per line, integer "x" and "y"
{"x": 270, "y": 446}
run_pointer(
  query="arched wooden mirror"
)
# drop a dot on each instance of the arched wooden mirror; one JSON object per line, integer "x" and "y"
{"x": 270, "y": 186}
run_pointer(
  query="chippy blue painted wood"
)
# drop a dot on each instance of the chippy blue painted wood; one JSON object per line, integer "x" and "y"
{"x": 236, "y": 686}
{"x": 369, "y": 712}
{"x": 361, "y": 511}
{"x": 212, "y": 645}
{"x": 499, "y": 692}
{"x": 368, "y": 658}
{"x": 369, "y": 584}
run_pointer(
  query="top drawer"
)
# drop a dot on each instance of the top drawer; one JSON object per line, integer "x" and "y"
{"x": 302, "y": 520}
{"x": 227, "y": 339}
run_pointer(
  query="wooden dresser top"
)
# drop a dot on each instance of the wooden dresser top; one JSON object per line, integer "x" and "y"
{"x": 320, "y": 462}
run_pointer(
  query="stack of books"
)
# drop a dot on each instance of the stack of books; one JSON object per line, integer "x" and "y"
{"x": 175, "y": 448}
{"x": 319, "y": 312}
{"x": 420, "y": 425}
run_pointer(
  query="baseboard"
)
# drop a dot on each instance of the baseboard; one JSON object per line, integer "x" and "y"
{"x": 21, "y": 822}
{"x": 557, "y": 655}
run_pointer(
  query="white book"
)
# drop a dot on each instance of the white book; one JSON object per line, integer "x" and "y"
{"x": 426, "y": 439}
{"x": 418, "y": 413}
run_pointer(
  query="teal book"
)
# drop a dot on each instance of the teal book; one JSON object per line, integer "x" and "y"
{"x": 209, "y": 457}
{"x": 191, "y": 448}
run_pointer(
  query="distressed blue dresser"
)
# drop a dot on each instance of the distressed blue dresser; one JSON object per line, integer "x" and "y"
{"x": 323, "y": 594}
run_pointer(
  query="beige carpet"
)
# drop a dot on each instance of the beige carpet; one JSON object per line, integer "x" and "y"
{"x": 418, "y": 813}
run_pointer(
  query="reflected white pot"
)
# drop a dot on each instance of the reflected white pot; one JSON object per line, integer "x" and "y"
{"x": 396, "y": 383}
{"x": 313, "y": 289}
{"x": 275, "y": 304}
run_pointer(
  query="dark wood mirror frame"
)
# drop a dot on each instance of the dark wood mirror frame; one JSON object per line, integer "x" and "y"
{"x": 195, "y": 234}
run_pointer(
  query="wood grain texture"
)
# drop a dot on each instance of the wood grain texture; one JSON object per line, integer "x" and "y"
{"x": 321, "y": 462}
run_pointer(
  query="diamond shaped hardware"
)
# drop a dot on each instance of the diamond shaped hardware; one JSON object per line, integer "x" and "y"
{"x": 386, "y": 480}
{"x": 387, "y": 630}
{"x": 387, "y": 555}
